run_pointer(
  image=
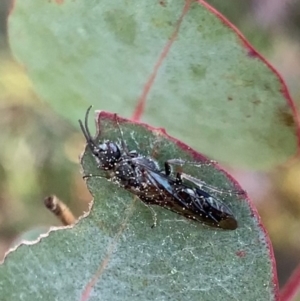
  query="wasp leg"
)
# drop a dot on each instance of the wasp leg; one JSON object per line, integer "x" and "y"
{"x": 123, "y": 144}
{"x": 169, "y": 163}
{"x": 181, "y": 162}
{"x": 202, "y": 184}
{"x": 168, "y": 171}
{"x": 154, "y": 214}
{"x": 92, "y": 176}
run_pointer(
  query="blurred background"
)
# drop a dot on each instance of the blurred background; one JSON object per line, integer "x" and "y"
{"x": 28, "y": 124}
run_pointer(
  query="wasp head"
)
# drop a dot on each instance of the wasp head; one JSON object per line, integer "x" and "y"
{"x": 106, "y": 153}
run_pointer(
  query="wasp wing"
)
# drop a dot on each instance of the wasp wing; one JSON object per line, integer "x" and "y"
{"x": 192, "y": 203}
{"x": 207, "y": 208}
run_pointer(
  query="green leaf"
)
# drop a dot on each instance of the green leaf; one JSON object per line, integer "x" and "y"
{"x": 113, "y": 254}
{"x": 211, "y": 89}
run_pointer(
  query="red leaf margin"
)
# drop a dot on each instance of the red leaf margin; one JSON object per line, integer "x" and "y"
{"x": 199, "y": 157}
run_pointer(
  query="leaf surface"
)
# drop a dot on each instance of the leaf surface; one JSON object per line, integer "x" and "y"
{"x": 113, "y": 254}
{"x": 201, "y": 80}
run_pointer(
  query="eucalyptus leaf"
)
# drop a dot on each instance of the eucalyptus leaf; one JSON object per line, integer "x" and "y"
{"x": 114, "y": 254}
{"x": 210, "y": 88}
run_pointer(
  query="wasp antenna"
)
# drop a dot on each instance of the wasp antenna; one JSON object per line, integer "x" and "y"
{"x": 85, "y": 129}
{"x": 86, "y": 123}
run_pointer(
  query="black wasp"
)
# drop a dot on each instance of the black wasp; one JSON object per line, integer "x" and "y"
{"x": 142, "y": 176}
